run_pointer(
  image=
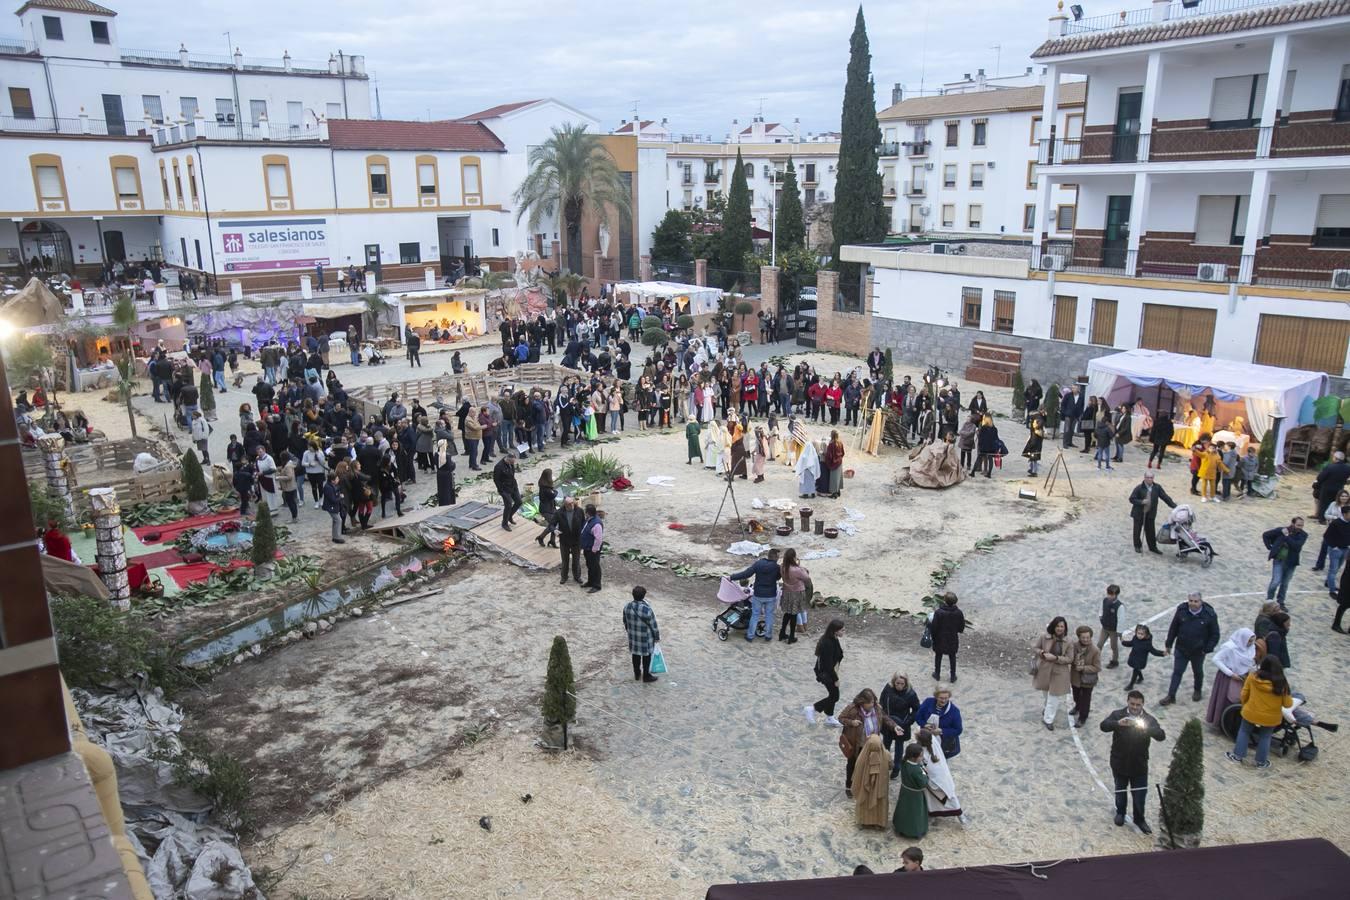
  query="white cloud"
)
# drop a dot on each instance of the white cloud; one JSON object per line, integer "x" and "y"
{"x": 700, "y": 63}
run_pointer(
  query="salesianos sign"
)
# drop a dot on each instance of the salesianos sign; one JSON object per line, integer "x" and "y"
{"x": 252, "y": 245}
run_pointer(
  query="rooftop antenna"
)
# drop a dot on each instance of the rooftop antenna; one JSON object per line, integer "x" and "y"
{"x": 374, "y": 78}
{"x": 998, "y": 57}
{"x": 761, "y": 107}
{"x": 923, "y": 50}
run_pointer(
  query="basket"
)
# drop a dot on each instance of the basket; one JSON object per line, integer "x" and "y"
{"x": 784, "y": 530}
{"x": 152, "y": 587}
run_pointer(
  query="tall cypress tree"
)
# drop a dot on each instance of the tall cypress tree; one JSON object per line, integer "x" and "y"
{"x": 859, "y": 213}
{"x": 737, "y": 241}
{"x": 791, "y": 222}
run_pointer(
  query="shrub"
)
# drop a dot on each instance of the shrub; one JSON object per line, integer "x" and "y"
{"x": 653, "y": 322}
{"x": 206, "y": 396}
{"x": 1019, "y": 391}
{"x": 685, "y": 321}
{"x": 1183, "y": 802}
{"x": 743, "y": 308}
{"x": 1051, "y": 406}
{"x": 193, "y": 478}
{"x": 218, "y": 777}
{"x": 560, "y": 706}
{"x": 888, "y": 368}
{"x": 655, "y": 337}
{"x": 1266, "y": 454}
{"x": 590, "y": 468}
{"x": 264, "y": 536}
{"x": 98, "y": 645}
{"x": 47, "y": 509}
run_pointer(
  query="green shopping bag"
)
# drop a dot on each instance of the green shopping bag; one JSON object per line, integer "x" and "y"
{"x": 658, "y": 661}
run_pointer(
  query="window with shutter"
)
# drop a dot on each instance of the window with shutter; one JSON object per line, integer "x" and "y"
{"x": 1333, "y": 221}
{"x": 379, "y": 179}
{"x": 426, "y": 178}
{"x": 1177, "y": 329}
{"x": 1103, "y": 322}
{"x": 1004, "y": 303}
{"x": 49, "y": 183}
{"x": 972, "y": 300}
{"x": 126, "y": 183}
{"x": 1214, "y": 219}
{"x": 1066, "y": 316}
{"x": 1297, "y": 342}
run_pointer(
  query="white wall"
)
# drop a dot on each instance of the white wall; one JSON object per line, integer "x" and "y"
{"x": 653, "y": 193}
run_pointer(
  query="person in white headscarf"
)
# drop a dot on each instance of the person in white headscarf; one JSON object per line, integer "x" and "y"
{"x": 808, "y": 470}
{"x": 1233, "y": 660}
{"x": 712, "y": 447}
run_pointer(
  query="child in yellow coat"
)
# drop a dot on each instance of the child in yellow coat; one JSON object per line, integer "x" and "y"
{"x": 1211, "y": 467}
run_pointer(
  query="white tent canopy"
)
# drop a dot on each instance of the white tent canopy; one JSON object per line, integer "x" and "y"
{"x": 1267, "y": 391}
{"x": 700, "y": 300}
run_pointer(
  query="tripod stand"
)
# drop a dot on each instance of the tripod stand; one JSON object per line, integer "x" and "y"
{"x": 1053, "y": 474}
{"x": 729, "y": 492}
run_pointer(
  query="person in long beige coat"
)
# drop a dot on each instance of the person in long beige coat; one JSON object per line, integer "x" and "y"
{"x": 1052, "y": 660}
{"x": 872, "y": 783}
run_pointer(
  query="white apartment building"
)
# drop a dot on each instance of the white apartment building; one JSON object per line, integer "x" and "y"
{"x": 1212, "y": 169}
{"x": 964, "y": 163}
{"x": 66, "y": 72}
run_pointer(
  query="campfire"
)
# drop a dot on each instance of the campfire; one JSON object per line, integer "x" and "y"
{"x": 448, "y": 545}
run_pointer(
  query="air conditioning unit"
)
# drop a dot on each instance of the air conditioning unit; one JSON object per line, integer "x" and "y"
{"x": 940, "y": 248}
{"x": 1340, "y": 280}
{"x": 924, "y": 210}
{"x": 991, "y": 164}
{"x": 1051, "y": 262}
{"x": 822, "y": 196}
{"x": 928, "y": 167}
{"x": 1211, "y": 272}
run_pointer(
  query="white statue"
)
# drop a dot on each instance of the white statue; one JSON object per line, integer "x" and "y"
{"x": 604, "y": 239}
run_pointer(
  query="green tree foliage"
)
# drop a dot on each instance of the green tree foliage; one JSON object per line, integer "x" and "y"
{"x": 124, "y": 318}
{"x": 706, "y": 229}
{"x": 205, "y": 395}
{"x": 888, "y": 368}
{"x": 563, "y": 286}
{"x": 1183, "y": 802}
{"x": 1265, "y": 456}
{"x": 560, "y": 702}
{"x": 264, "y": 536}
{"x": 194, "y": 479}
{"x": 1019, "y": 391}
{"x": 97, "y": 645}
{"x": 655, "y": 337}
{"x": 743, "y": 308}
{"x": 791, "y": 222}
{"x": 859, "y": 213}
{"x": 670, "y": 240}
{"x": 685, "y": 322}
{"x": 26, "y": 359}
{"x": 1051, "y": 406}
{"x": 571, "y": 172}
{"x": 736, "y": 239}
{"x": 47, "y": 508}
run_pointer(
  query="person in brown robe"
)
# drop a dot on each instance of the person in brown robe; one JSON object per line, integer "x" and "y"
{"x": 872, "y": 784}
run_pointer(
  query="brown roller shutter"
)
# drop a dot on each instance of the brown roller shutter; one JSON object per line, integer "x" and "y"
{"x": 1066, "y": 315}
{"x": 1104, "y": 322}
{"x": 1296, "y": 342}
{"x": 1178, "y": 329}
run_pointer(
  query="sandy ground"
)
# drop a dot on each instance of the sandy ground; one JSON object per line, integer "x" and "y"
{"x": 713, "y": 774}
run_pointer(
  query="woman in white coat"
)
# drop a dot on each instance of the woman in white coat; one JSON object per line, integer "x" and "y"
{"x": 941, "y": 791}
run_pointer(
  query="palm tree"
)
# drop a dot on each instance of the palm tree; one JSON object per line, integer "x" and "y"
{"x": 124, "y": 318}
{"x": 572, "y": 171}
{"x": 489, "y": 281}
{"x": 563, "y": 286}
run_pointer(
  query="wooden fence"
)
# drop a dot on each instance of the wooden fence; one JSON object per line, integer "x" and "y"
{"x": 93, "y": 462}
{"x": 147, "y": 487}
{"x": 476, "y": 386}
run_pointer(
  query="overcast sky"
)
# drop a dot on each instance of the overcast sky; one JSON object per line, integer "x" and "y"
{"x": 699, "y": 63}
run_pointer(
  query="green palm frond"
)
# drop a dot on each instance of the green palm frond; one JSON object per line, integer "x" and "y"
{"x": 571, "y": 171}
{"x": 490, "y": 281}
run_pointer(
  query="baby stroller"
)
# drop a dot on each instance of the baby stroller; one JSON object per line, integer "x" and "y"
{"x": 1179, "y": 529}
{"x": 737, "y": 612}
{"x": 1293, "y": 733}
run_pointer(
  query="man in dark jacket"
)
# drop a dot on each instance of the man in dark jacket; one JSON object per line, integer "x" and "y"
{"x": 1337, "y": 539}
{"x": 592, "y": 543}
{"x": 504, "y": 478}
{"x": 1144, "y": 511}
{"x": 1329, "y": 483}
{"x": 945, "y": 628}
{"x": 1194, "y": 632}
{"x": 1284, "y": 546}
{"x": 333, "y": 504}
{"x": 764, "y": 598}
{"x": 1131, "y": 730}
{"x": 899, "y": 701}
{"x": 1070, "y": 411}
{"x": 570, "y": 522}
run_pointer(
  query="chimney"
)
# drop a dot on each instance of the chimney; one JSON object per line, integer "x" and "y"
{"x": 238, "y": 59}
{"x": 1059, "y": 23}
{"x": 980, "y": 79}
{"x": 966, "y": 77}
{"x": 286, "y": 60}
{"x": 897, "y": 93}
{"x": 796, "y": 129}
{"x": 183, "y": 55}
{"x": 1028, "y": 70}
{"x": 1161, "y": 10}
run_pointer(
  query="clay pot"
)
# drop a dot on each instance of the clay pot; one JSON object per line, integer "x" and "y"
{"x": 820, "y": 526}
{"x": 832, "y": 532}
{"x": 805, "y": 513}
{"x": 784, "y": 530}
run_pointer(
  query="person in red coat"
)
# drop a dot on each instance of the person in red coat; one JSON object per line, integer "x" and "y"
{"x": 749, "y": 393}
{"x": 834, "y": 398}
{"x": 58, "y": 545}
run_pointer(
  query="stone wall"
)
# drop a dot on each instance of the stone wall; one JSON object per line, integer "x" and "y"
{"x": 949, "y": 347}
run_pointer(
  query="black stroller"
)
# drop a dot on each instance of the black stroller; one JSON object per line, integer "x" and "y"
{"x": 1296, "y": 735}
{"x": 737, "y": 613}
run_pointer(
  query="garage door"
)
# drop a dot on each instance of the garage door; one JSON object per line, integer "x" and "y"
{"x": 1179, "y": 329}
{"x": 1295, "y": 342}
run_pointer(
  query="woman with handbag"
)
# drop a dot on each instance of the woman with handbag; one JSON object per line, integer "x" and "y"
{"x": 944, "y": 628}
{"x": 1050, "y": 668}
{"x": 898, "y": 701}
{"x": 548, "y": 508}
{"x": 861, "y": 720}
{"x": 828, "y": 656}
{"x": 1087, "y": 664}
{"x": 949, "y": 725}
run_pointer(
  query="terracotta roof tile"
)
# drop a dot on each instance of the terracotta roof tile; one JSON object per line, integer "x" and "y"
{"x": 500, "y": 109}
{"x": 1193, "y": 27}
{"x": 1002, "y": 100}
{"x": 384, "y": 134}
{"x": 80, "y": 6}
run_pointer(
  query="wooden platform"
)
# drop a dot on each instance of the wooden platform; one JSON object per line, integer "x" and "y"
{"x": 519, "y": 541}
{"x": 465, "y": 515}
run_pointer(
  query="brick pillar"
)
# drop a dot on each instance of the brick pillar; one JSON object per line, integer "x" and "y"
{"x": 57, "y": 469}
{"x": 701, "y": 272}
{"x": 844, "y": 332}
{"x": 110, "y": 547}
{"x": 645, "y": 267}
{"x": 768, "y": 289}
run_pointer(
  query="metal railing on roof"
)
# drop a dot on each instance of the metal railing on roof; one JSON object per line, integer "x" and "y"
{"x": 1135, "y": 18}
{"x": 16, "y": 46}
{"x": 215, "y": 61}
{"x": 49, "y": 125}
{"x": 205, "y": 130}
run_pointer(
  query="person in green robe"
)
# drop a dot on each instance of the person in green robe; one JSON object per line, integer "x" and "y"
{"x": 911, "y": 807}
{"x": 693, "y": 433}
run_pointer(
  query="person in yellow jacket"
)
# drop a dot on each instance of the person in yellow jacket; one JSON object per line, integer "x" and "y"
{"x": 1265, "y": 694}
{"x": 1211, "y": 467}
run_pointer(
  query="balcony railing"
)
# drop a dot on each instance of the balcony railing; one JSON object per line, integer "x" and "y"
{"x": 916, "y": 189}
{"x": 1224, "y": 266}
{"x": 12, "y": 46}
{"x": 203, "y": 130}
{"x": 1135, "y": 18}
{"x": 1292, "y": 139}
{"x": 888, "y": 148}
{"x": 217, "y": 62}
{"x": 712, "y": 177}
{"x": 888, "y": 189}
{"x": 916, "y": 148}
{"x": 48, "y": 125}
{"x": 687, "y": 178}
